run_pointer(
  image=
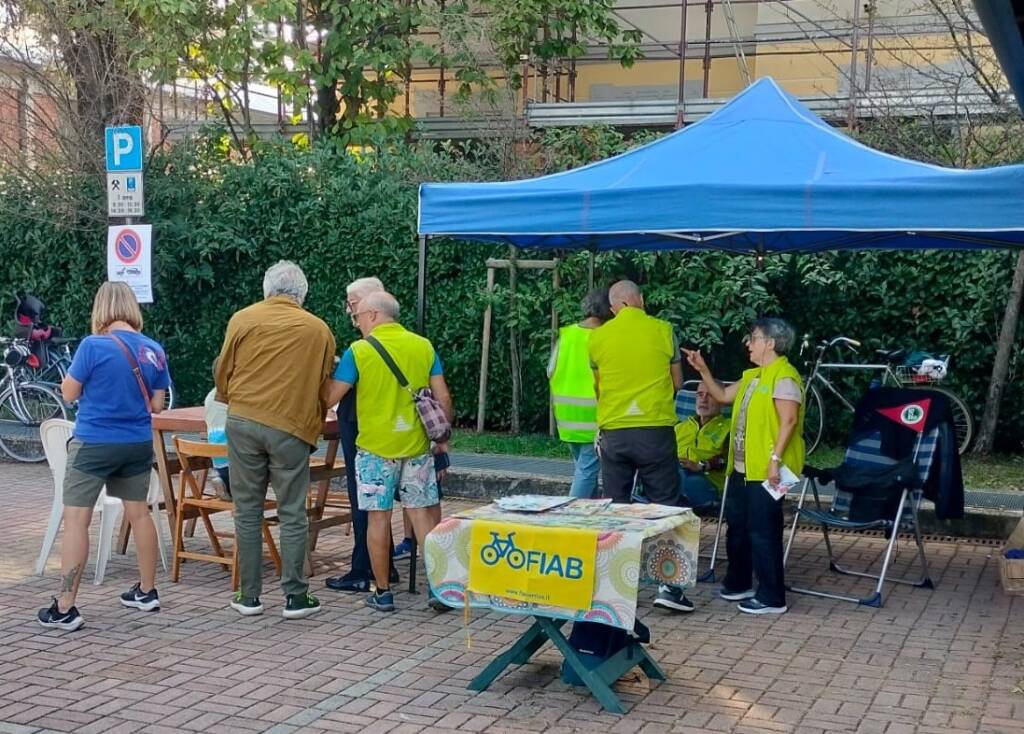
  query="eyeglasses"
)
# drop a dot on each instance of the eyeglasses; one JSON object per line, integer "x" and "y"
{"x": 350, "y": 306}
{"x": 355, "y": 316}
{"x": 754, "y": 337}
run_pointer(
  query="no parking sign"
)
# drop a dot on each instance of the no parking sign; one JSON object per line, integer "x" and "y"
{"x": 129, "y": 255}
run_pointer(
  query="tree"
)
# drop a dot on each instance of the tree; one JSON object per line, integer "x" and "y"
{"x": 79, "y": 55}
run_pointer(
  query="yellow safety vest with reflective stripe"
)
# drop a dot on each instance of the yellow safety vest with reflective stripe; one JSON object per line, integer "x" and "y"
{"x": 572, "y": 387}
{"x": 389, "y": 425}
{"x": 632, "y": 354}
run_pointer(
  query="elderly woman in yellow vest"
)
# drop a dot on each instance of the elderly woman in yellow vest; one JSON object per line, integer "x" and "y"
{"x": 572, "y": 392}
{"x": 767, "y": 424}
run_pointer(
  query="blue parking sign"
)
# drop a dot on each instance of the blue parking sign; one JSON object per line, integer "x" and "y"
{"x": 124, "y": 148}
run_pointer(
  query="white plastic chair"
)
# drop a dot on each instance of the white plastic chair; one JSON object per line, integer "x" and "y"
{"x": 55, "y": 434}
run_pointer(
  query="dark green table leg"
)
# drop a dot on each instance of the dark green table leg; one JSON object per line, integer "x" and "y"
{"x": 530, "y": 642}
{"x": 596, "y": 680}
{"x": 599, "y": 680}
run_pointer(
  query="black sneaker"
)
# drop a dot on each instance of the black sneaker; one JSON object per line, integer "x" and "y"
{"x": 735, "y": 595}
{"x": 148, "y": 602}
{"x": 435, "y": 603}
{"x": 344, "y": 583}
{"x": 382, "y": 601}
{"x": 298, "y": 606}
{"x": 69, "y": 621}
{"x": 753, "y": 606}
{"x": 669, "y": 597}
{"x": 247, "y": 606}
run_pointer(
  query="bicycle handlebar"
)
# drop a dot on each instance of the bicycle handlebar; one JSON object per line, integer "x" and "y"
{"x": 851, "y": 343}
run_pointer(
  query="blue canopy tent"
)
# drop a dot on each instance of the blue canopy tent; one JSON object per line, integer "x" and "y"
{"x": 762, "y": 174}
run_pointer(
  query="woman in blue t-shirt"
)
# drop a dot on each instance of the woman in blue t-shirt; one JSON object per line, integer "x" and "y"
{"x": 119, "y": 377}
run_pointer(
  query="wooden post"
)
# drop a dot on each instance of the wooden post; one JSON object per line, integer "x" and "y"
{"x": 513, "y": 265}
{"x": 556, "y": 282}
{"x": 485, "y": 355}
{"x": 513, "y": 340}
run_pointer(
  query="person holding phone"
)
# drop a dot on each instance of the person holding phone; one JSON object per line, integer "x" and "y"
{"x": 766, "y": 434}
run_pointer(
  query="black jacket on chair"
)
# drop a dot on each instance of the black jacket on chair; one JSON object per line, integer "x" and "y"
{"x": 945, "y": 484}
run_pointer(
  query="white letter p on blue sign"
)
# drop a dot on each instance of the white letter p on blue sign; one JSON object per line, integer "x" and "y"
{"x": 124, "y": 148}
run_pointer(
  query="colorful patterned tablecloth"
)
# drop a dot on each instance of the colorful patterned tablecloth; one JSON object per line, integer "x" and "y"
{"x": 629, "y": 550}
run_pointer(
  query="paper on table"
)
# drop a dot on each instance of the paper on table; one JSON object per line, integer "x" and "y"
{"x": 531, "y": 502}
{"x": 581, "y": 506}
{"x": 787, "y": 480}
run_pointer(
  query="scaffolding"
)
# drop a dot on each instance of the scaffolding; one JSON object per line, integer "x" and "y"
{"x": 857, "y": 35}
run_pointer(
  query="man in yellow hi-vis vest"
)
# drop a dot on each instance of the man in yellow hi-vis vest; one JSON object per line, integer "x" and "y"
{"x": 572, "y": 392}
{"x": 393, "y": 450}
{"x": 637, "y": 371}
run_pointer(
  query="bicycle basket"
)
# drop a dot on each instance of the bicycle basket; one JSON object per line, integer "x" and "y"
{"x": 924, "y": 371}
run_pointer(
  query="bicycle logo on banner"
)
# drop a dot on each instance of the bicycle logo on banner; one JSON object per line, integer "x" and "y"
{"x": 548, "y": 564}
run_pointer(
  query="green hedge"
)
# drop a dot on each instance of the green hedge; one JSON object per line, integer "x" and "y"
{"x": 218, "y": 223}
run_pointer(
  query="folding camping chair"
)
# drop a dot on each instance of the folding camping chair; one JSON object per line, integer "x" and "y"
{"x": 873, "y": 491}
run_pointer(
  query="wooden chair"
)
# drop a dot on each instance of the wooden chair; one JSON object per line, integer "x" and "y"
{"x": 321, "y": 472}
{"x": 196, "y": 459}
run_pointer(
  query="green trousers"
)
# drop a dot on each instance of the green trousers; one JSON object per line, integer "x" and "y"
{"x": 259, "y": 455}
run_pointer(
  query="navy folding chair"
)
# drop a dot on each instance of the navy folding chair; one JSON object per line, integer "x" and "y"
{"x": 873, "y": 492}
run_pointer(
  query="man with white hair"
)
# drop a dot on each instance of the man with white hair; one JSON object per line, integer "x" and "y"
{"x": 393, "y": 448}
{"x": 272, "y": 372}
{"x": 360, "y": 575}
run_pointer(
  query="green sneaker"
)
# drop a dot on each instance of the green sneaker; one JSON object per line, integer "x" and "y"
{"x": 247, "y": 606}
{"x": 300, "y": 605}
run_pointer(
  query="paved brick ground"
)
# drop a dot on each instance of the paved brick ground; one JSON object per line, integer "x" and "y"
{"x": 949, "y": 660}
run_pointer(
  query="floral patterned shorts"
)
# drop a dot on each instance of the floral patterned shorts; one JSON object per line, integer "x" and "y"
{"x": 379, "y": 480}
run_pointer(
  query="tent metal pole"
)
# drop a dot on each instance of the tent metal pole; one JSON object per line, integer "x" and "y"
{"x": 421, "y": 288}
{"x": 590, "y": 270}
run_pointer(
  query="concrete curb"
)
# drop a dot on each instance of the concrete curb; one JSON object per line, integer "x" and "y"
{"x": 486, "y": 485}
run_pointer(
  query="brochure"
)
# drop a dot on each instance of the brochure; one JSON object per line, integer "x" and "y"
{"x": 787, "y": 480}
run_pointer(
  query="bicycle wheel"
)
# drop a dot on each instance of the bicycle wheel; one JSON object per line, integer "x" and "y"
{"x": 814, "y": 419}
{"x": 963, "y": 423}
{"x": 22, "y": 409}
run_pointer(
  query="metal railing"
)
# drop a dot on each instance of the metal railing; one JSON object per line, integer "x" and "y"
{"x": 662, "y": 113}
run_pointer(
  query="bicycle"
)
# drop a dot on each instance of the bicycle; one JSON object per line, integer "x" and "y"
{"x": 892, "y": 372}
{"x": 24, "y": 405}
{"x": 500, "y": 548}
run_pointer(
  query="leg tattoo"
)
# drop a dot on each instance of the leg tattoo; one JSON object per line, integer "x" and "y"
{"x": 67, "y": 581}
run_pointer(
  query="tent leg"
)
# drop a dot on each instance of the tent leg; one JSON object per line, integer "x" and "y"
{"x": 421, "y": 288}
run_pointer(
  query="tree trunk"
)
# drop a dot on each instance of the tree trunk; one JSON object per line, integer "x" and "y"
{"x": 1004, "y": 349}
